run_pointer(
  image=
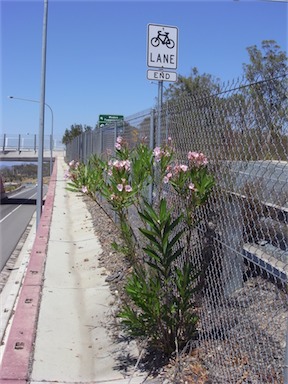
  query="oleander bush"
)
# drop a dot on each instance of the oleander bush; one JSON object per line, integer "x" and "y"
{"x": 160, "y": 305}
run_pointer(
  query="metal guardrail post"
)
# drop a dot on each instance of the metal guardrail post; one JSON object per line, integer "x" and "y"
{"x": 4, "y": 141}
{"x": 19, "y": 142}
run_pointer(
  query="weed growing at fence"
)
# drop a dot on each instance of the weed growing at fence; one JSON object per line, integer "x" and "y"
{"x": 160, "y": 287}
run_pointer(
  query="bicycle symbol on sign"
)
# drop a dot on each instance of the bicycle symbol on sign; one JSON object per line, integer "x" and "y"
{"x": 164, "y": 39}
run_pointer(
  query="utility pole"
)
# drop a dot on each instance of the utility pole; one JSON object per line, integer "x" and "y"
{"x": 41, "y": 120}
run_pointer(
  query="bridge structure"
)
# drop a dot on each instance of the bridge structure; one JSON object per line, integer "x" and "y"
{"x": 26, "y": 156}
{"x": 19, "y": 147}
{"x": 24, "y": 148}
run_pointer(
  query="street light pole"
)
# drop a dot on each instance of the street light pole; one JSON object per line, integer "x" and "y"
{"x": 41, "y": 119}
{"x": 52, "y": 124}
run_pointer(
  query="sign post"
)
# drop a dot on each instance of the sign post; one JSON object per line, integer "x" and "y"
{"x": 162, "y": 53}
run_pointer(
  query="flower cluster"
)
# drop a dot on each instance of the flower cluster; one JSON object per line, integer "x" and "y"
{"x": 184, "y": 178}
{"x": 159, "y": 153}
{"x": 70, "y": 173}
{"x": 119, "y": 142}
{"x": 73, "y": 164}
{"x": 119, "y": 165}
{"x": 174, "y": 171}
{"x": 122, "y": 188}
{"x": 197, "y": 159}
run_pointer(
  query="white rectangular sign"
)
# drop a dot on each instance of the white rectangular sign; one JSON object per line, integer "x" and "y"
{"x": 161, "y": 75}
{"x": 162, "y": 46}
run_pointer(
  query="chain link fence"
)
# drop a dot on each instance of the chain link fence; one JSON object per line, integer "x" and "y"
{"x": 242, "y": 238}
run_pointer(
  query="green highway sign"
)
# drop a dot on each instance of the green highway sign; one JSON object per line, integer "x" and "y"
{"x": 106, "y": 119}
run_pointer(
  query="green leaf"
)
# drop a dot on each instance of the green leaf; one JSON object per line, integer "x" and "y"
{"x": 151, "y": 236}
{"x": 150, "y": 252}
{"x": 149, "y": 220}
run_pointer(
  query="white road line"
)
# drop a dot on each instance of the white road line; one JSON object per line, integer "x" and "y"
{"x": 19, "y": 193}
{"x": 5, "y": 217}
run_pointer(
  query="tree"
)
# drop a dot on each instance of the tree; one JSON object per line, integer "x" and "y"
{"x": 193, "y": 85}
{"x": 266, "y": 63}
{"x": 267, "y": 97}
{"x": 193, "y": 110}
{"x": 75, "y": 130}
{"x": 66, "y": 137}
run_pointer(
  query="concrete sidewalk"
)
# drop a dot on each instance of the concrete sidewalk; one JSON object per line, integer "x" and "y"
{"x": 59, "y": 331}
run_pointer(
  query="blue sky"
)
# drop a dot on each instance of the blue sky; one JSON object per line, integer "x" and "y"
{"x": 96, "y": 53}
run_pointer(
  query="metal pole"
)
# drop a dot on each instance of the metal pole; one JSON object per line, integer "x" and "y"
{"x": 101, "y": 141}
{"x": 286, "y": 356}
{"x": 151, "y": 146}
{"x": 51, "y": 138}
{"x": 160, "y": 101}
{"x": 166, "y": 119}
{"x": 19, "y": 143}
{"x": 4, "y": 141}
{"x": 41, "y": 120}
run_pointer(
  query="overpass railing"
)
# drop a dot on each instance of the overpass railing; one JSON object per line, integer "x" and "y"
{"x": 27, "y": 142}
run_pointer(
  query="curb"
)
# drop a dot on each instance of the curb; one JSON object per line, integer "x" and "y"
{"x": 17, "y": 355}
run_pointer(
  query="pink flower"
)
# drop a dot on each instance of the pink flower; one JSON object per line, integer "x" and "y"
{"x": 180, "y": 168}
{"x": 120, "y": 187}
{"x": 191, "y": 186}
{"x": 127, "y": 165}
{"x": 119, "y": 140}
{"x": 183, "y": 167}
{"x": 157, "y": 153}
{"x": 176, "y": 169}
{"x": 118, "y": 146}
{"x": 165, "y": 180}
{"x": 84, "y": 189}
{"x": 122, "y": 164}
{"x": 128, "y": 188}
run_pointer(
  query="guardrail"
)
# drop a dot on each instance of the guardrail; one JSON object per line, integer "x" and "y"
{"x": 20, "y": 142}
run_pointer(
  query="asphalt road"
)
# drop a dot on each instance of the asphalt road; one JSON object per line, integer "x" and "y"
{"x": 15, "y": 214}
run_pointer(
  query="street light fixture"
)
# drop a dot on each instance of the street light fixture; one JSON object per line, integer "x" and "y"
{"x": 52, "y": 120}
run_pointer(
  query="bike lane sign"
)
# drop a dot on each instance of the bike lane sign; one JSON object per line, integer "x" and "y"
{"x": 162, "y": 46}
